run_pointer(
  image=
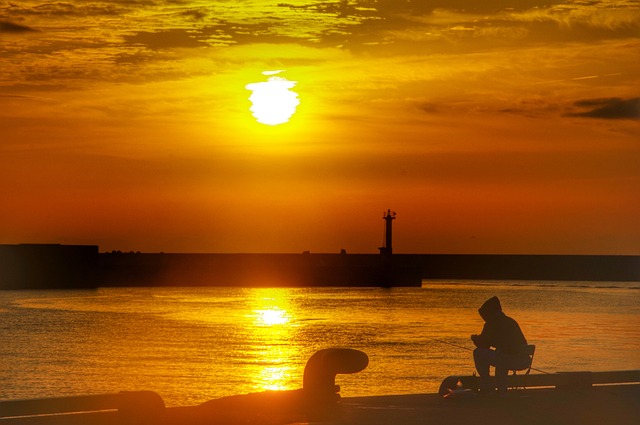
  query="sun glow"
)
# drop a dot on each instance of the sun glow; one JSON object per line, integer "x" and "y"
{"x": 273, "y": 101}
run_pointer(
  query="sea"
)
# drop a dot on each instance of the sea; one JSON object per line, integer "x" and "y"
{"x": 191, "y": 345}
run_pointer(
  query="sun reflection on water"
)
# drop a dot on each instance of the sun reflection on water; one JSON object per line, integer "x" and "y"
{"x": 272, "y": 330}
{"x": 275, "y": 378}
{"x": 271, "y": 317}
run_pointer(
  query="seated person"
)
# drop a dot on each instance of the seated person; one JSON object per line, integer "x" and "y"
{"x": 504, "y": 335}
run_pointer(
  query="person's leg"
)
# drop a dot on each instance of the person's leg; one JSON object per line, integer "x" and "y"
{"x": 504, "y": 363}
{"x": 501, "y": 378}
{"x": 483, "y": 359}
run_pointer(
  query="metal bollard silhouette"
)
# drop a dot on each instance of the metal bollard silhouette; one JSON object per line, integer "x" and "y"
{"x": 323, "y": 366}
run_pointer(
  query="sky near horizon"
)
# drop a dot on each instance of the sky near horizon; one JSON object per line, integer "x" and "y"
{"x": 489, "y": 127}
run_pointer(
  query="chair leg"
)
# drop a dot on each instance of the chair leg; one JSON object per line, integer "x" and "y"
{"x": 515, "y": 372}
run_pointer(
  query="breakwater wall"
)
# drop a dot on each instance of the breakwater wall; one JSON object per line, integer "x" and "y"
{"x": 622, "y": 268}
{"x": 69, "y": 266}
{"x": 261, "y": 270}
{"x": 43, "y": 266}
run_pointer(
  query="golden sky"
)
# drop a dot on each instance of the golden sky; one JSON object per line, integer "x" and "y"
{"x": 489, "y": 127}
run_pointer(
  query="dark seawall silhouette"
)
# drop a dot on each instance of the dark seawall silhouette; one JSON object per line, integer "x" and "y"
{"x": 264, "y": 270}
{"x": 32, "y": 266}
{"x": 39, "y": 266}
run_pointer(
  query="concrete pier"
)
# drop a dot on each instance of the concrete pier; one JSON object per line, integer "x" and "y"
{"x": 598, "y": 405}
{"x": 618, "y": 405}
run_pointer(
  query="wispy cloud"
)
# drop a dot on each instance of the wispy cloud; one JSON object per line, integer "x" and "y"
{"x": 174, "y": 38}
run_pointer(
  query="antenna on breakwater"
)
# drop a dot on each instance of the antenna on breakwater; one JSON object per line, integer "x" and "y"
{"x": 388, "y": 217}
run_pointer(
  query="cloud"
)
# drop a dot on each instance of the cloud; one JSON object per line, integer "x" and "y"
{"x": 465, "y": 6}
{"x": 9, "y": 27}
{"x": 174, "y": 38}
{"x": 609, "y": 108}
{"x": 66, "y": 10}
{"x": 593, "y": 14}
{"x": 450, "y": 24}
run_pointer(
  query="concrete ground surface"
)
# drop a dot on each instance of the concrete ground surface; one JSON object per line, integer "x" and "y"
{"x": 619, "y": 405}
{"x": 599, "y": 405}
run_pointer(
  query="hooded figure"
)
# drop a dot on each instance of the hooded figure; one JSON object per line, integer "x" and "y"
{"x": 503, "y": 334}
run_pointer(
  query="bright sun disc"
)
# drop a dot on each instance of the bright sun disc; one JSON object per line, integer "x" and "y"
{"x": 273, "y": 101}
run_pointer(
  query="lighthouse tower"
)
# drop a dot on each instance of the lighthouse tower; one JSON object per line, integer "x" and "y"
{"x": 388, "y": 217}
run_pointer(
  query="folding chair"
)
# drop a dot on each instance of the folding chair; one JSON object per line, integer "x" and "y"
{"x": 529, "y": 350}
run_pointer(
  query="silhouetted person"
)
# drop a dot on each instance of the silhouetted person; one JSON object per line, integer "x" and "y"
{"x": 504, "y": 335}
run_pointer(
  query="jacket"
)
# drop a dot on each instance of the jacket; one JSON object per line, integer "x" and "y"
{"x": 500, "y": 331}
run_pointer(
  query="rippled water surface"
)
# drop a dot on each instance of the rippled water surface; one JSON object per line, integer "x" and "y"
{"x": 194, "y": 344}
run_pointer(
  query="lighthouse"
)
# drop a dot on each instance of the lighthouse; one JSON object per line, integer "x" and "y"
{"x": 388, "y": 217}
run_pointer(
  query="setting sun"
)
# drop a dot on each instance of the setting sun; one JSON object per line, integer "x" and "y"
{"x": 272, "y": 101}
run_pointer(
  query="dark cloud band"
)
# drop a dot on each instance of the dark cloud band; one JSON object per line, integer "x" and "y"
{"x": 10, "y": 27}
{"x": 609, "y": 108}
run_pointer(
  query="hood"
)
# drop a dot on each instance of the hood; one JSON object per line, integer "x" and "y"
{"x": 490, "y": 308}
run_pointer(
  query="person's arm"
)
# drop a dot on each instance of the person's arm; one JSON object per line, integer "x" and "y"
{"x": 479, "y": 341}
{"x": 483, "y": 340}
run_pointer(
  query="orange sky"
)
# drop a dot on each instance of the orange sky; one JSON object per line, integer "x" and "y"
{"x": 504, "y": 127}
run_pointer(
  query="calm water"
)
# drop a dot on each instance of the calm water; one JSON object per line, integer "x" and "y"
{"x": 194, "y": 344}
